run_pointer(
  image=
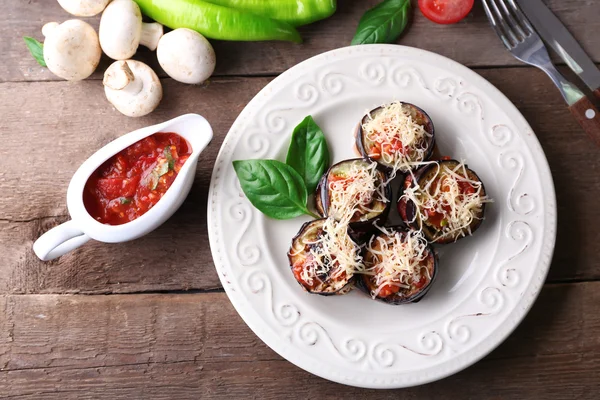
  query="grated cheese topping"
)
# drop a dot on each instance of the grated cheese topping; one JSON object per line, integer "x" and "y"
{"x": 399, "y": 260}
{"x": 396, "y": 138}
{"x": 442, "y": 194}
{"x": 330, "y": 255}
{"x": 359, "y": 191}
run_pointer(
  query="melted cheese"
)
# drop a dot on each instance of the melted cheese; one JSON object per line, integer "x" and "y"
{"x": 442, "y": 194}
{"x": 331, "y": 254}
{"x": 356, "y": 192}
{"x": 399, "y": 260}
{"x": 393, "y": 128}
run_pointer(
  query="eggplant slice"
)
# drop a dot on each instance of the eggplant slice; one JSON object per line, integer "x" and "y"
{"x": 318, "y": 271}
{"x": 395, "y": 280}
{"x": 334, "y": 187}
{"x": 435, "y": 220}
{"x": 374, "y": 150}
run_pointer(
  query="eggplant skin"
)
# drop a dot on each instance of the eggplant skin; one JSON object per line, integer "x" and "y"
{"x": 365, "y": 283}
{"x": 308, "y": 230}
{"x": 319, "y": 196}
{"x": 359, "y": 133}
{"x": 322, "y": 196}
{"x": 408, "y": 210}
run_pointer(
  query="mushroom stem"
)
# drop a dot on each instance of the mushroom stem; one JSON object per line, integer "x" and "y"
{"x": 151, "y": 33}
{"x": 132, "y": 87}
{"x": 122, "y": 78}
{"x": 48, "y": 28}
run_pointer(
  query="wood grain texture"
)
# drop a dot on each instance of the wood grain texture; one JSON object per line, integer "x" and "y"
{"x": 63, "y": 133}
{"x": 195, "y": 346}
{"x": 78, "y": 120}
{"x": 471, "y": 42}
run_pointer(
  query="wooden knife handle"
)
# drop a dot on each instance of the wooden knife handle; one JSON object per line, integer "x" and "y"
{"x": 588, "y": 117}
{"x": 597, "y": 93}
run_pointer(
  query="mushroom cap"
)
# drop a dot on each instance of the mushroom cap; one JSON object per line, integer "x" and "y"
{"x": 120, "y": 29}
{"x": 83, "y": 8}
{"x": 132, "y": 87}
{"x": 71, "y": 49}
{"x": 186, "y": 56}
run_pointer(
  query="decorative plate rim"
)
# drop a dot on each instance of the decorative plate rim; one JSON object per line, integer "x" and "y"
{"x": 522, "y": 305}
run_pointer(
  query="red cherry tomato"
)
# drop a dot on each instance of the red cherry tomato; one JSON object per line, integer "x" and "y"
{"x": 388, "y": 290}
{"x": 445, "y": 11}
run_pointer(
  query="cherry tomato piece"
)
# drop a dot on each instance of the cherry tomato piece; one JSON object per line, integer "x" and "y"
{"x": 445, "y": 11}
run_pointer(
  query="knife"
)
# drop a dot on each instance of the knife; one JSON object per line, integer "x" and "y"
{"x": 553, "y": 32}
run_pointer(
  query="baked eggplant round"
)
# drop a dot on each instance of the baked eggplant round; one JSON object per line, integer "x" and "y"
{"x": 444, "y": 199}
{"x": 355, "y": 192}
{"x": 323, "y": 257}
{"x": 400, "y": 267}
{"x": 396, "y": 136}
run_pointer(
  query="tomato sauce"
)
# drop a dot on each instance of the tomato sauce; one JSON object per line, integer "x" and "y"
{"x": 131, "y": 182}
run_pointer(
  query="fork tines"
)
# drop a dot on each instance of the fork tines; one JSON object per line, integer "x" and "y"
{"x": 508, "y": 21}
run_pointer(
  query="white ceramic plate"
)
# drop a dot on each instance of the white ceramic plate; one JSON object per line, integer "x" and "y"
{"x": 486, "y": 283}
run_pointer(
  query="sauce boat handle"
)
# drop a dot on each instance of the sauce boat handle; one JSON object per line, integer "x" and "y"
{"x": 59, "y": 241}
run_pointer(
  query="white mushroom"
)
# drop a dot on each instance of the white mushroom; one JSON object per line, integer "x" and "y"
{"x": 83, "y": 8}
{"x": 132, "y": 87}
{"x": 122, "y": 30}
{"x": 186, "y": 56}
{"x": 71, "y": 49}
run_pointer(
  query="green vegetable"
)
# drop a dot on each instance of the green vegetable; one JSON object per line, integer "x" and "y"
{"x": 36, "y": 49}
{"x": 294, "y": 12}
{"x": 308, "y": 153}
{"x": 161, "y": 168}
{"x": 169, "y": 157}
{"x": 151, "y": 180}
{"x": 217, "y": 22}
{"x": 383, "y": 23}
{"x": 125, "y": 200}
{"x": 273, "y": 187}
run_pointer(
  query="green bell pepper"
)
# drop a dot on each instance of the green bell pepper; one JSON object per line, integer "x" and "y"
{"x": 217, "y": 22}
{"x": 294, "y": 12}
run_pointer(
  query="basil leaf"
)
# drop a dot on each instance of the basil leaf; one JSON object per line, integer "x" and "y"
{"x": 308, "y": 153}
{"x": 169, "y": 157}
{"x": 383, "y": 23}
{"x": 162, "y": 168}
{"x": 36, "y": 49}
{"x": 151, "y": 179}
{"x": 125, "y": 200}
{"x": 273, "y": 187}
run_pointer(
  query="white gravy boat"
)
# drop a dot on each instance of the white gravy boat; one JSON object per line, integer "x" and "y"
{"x": 82, "y": 227}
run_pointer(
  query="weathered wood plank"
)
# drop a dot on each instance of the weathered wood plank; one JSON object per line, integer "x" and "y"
{"x": 195, "y": 346}
{"x": 470, "y": 42}
{"x": 570, "y": 153}
{"x": 61, "y": 124}
{"x": 556, "y": 377}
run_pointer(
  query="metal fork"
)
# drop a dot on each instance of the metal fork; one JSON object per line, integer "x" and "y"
{"x": 519, "y": 37}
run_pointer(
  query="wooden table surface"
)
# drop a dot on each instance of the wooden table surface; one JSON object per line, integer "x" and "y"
{"x": 149, "y": 318}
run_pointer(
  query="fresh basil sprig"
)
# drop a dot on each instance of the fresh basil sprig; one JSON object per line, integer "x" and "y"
{"x": 273, "y": 187}
{"x": 281, "y": 190}
{"x": 308, "y": 153}
{"x": 36, "y": 49}
{"x": 383, "y": 23}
